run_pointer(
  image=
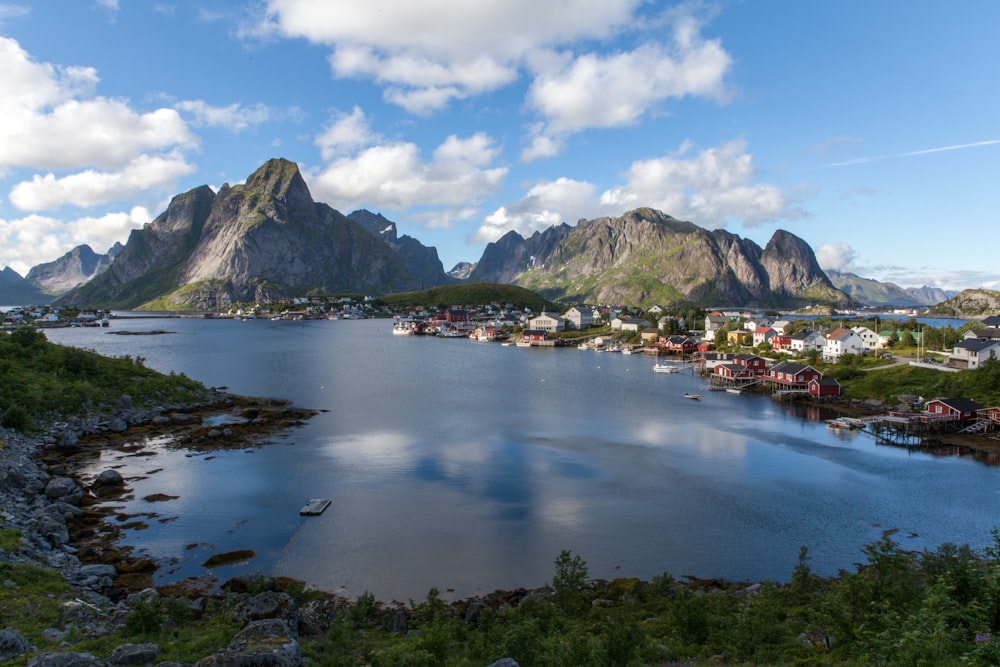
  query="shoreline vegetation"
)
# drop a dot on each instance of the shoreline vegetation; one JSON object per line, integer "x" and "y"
{"x": 71, "y": 594}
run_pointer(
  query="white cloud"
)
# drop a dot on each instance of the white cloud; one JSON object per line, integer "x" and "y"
{"x": 710, "y": 189}
{"x": 234, "y": 117}
{"x": 541, "y": 146}
{"x": 595, "y": 90}
{"x": 394, "y": 176}
{"x": 836, "y": 256}
{"x": 91, "y": 187}
{"x": 345, "y": 134}
{"x": 545, "y": 204}
{"x": 50, "y": 120}
{"x": 35, "y": 239}
{"x": 431, "y": 52}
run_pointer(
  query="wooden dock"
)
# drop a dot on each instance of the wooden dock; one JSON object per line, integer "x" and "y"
{"x": 315, "y": 507}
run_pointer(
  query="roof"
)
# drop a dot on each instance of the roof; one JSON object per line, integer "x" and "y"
{"x": 976, "y": 344}
{"x": 959, "y": 404}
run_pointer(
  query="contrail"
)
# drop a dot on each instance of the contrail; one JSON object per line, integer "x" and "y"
{"x": 864, "y": 160}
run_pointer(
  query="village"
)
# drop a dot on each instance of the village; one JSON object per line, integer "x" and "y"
{"x": 737, "y": 351}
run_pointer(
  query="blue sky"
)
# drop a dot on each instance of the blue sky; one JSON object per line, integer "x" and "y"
{"x": 871, "y": 130}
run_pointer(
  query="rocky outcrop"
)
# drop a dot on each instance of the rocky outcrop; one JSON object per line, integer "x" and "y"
{"x": 422, "y": 262}
{"x": 72, "y": 269}
{"x": 259, "y": 241}
{"x": 646, "y": 257}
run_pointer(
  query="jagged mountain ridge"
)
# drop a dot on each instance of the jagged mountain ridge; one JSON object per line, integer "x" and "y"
{"x": 874, "y": 293}
{"x": 261, "y": 241}
{"x": 72, "y": 269}
{"x": 646, "y": 257}
{"x": 267, "y": 239}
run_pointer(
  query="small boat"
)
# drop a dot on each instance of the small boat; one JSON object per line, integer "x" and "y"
{"x": 734, "y": 390}
{"x": 665, "y": 368}
{"x": 693, "y": 397}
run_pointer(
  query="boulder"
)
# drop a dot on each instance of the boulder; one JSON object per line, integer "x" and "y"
{"x": 133, "y": 654}
{"x": 61, "y": 487}
{"x": 316, "y": 616}
{"x": 109, "y": 479}
{"x": 266, "y": 643}
{"x": 12, "y": 644}
{"x": 268, "y": 605}
{"x": 64, "y": 660}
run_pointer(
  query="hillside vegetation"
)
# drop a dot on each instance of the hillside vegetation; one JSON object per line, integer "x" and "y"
{"x": 39, "y": 378}
{"x": 471, "y": 293}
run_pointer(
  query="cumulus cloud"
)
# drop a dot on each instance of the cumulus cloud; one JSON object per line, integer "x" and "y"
{"x": 90, "y": 187}
{"x": 233, "y": 117}
{"x": 396, "y": 176}
{"x": 594, "y": 90}
{"x": 836, "y": 256}
{"x": 50, "y": 119}
{"x": 545, "y": 204}
{"x": 34, "y": 239}
{"x": 346, "y": 133}
{"x": 427, "y": 54}
{"x": 711, "y": 188}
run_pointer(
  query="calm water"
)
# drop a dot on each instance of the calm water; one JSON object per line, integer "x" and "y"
{"x": 469, "y": 466}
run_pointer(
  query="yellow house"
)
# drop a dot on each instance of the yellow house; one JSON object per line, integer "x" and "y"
{"x": 739, "y": 337}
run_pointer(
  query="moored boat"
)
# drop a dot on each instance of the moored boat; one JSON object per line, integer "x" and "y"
{"x": 693, "y": 397}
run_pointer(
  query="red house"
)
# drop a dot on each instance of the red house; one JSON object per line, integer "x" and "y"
{"x": 684, "y": 344}
{"x": 957, "y": 408}
{"x": 758, "y": 365}
{"x": 734, "y": 372}
{"x": 456, "y": 315}
{"x": 781, "y": 342}
{"x": 822, "y": 387}
{"x": 791, "y": 374}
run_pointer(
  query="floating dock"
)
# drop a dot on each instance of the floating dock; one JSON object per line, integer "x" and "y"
{"x": 315, "y": 507}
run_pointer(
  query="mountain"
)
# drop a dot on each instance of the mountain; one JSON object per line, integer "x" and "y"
{"x": 462, "y": 270}
{"x": 72, "y": 269}
{"x": 261, "y": 241}
{"x": 422, "y": 262}
{"x": 16, "y": 291}
{"x": 646, "y": 257}
{"x": 970, "y": 303}
{"x": 874, "y": 293}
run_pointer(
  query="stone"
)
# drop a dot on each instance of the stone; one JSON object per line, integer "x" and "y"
{"x": 133, "y": 654}
{"x": 64, "y": 660}
{"x": 99, "y": 570}
{"x": 265, "y": 643}
{"x": 60, "y": 487}
{"x": 12, "y": 644}
{"x": 109, "y": 479}
{"x": 268, "y": 605}
{"x": 317, "y": 616}
{"x": 117, "y": 425}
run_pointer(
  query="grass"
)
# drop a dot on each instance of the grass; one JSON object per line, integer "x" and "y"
{"x": 40, "y": 379}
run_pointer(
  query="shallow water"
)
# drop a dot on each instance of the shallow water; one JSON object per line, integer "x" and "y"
{"x": 469, "y": 466}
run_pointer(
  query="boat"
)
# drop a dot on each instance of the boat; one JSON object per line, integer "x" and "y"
{"x": 627, "y": 349}
{"x": 841, "y": 423}
{"x": 665, "y": 368}
{"x": 734, "y": 390}
{"x": 693, "y": 397}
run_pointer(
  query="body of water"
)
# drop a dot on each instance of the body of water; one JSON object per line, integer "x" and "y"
{"x": 470, "y": 466}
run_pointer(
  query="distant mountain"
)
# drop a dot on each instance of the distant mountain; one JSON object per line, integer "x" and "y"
{"x": 874, "y": 293}
{"x": 646, "y": 257}
{"x": 970, "y": 303}
{"x": 16, "y": 291}
{"x": 462, "y": 270}
{"x": 261, "y": 241}
{"x": 72, "y": 269}
{"x": 422, "y": 262}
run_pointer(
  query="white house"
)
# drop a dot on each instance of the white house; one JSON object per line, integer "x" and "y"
{"x": 579, "y": 317}
{"x": 840, "y": 342}
{"x": 974, "y": 351}
{"x": 628, "y": 324}
{"x": 805, "y": 340}
{"x": 546, "y": 322}
{"x": 763, "y": 335}
{"x": 779, "y": 325}
{"x": 870, "y": 339}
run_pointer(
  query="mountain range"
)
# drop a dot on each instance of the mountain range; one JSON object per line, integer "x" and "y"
{"x": 874, "y": 293}
{"x": 267, "y": 239}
